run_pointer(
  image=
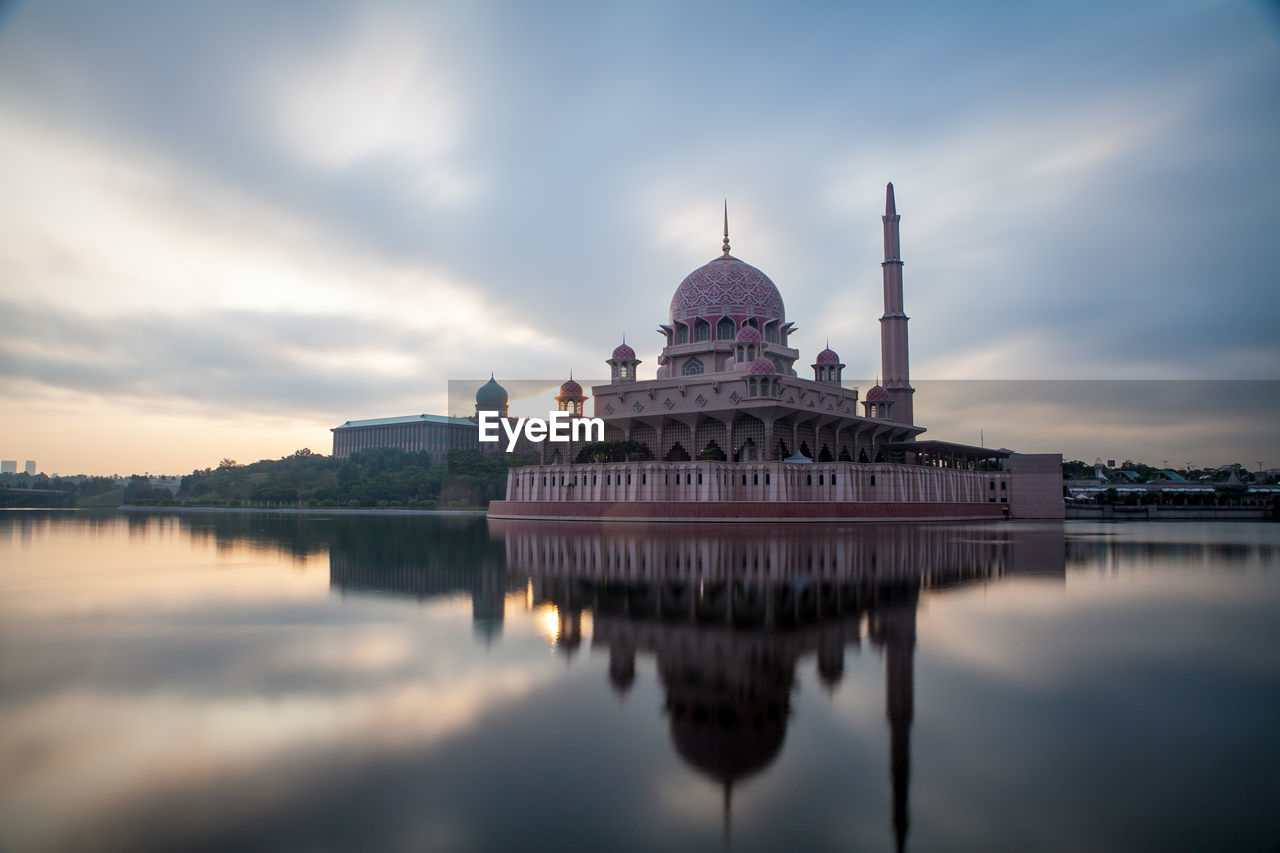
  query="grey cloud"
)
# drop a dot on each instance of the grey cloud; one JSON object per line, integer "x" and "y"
{"x": 269, "y": 363}
{"x": 1163, "y": 265}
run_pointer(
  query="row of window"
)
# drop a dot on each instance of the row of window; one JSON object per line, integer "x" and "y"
{"x": 609, "y": 479}
{"x": 726, "y": 330}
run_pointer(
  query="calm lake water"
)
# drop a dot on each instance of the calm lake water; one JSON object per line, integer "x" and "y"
{"x": 236, "y": 681}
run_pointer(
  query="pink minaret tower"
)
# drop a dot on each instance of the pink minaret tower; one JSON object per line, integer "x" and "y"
{"x": 893, "y": 325}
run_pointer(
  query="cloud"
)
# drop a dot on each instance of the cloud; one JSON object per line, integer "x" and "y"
{"x": 1083, "y": 195}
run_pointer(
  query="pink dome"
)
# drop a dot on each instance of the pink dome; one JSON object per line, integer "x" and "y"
{"x": 624, "y": 351}
{"x": 877, "y": 394}
{"x": 726, "y": 286}
{"x": 571, "y": 389}
{"x": 828, "y": 356}
{"x": 748, "y": 335}
{"x": 761, "y": 365}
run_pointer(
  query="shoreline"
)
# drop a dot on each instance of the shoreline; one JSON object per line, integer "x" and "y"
{"x": 299, "y": 510}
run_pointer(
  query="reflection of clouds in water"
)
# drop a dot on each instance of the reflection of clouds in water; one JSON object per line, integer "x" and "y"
{"x": 372, "y": 716}
{"x": 106, "y": 751}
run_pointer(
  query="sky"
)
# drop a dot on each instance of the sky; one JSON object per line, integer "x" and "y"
{"x": 228, "y": 228}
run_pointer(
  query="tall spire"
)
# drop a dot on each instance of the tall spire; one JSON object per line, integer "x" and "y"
{"x": 726, "y": 228}
{"x": 893, "y": 325}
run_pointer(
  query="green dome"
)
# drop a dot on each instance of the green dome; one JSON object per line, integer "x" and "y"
{"x": 491, "y": 394}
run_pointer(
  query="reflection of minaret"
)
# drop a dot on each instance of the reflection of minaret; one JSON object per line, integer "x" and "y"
{"x": 569, "y": 630}
{"x": 894, "y": 626}
{"x": 622, "y": 666}
{"x": 489, "y": 601}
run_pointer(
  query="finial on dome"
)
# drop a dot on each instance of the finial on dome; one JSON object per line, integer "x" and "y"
{"x": 726, "y": 227}
{"x": 890, "y": 208}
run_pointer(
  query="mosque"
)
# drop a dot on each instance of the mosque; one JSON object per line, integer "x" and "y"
{"x": 729, "y": 431}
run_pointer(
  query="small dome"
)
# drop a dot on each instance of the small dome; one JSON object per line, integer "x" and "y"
{"x": 828, "y": 356}
{"x": 571, "y": 389}
{"x": 491, "y": 394}
{"x": 877, "y": 394}
{"x": 761, "y": 365}
{"x": 747, "y": 335}
{"x": 624, "y": 351}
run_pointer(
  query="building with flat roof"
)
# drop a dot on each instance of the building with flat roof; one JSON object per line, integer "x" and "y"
{"x": 435, "y": 434}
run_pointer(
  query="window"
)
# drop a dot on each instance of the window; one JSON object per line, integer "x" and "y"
{"x": 699, "y": 478}
{"x": 766, "y": 479}
{"x": 702, "y": 331}
{"x": 692, "y": 367}
{"x": 873, "y": 479}
{"x": 682, "y": 334}
{"x": 833, "y": 479}
{"x": 724, "y": 330}
{"x": 644, "y": 479}
{"x": 755, "y": 479}
{"x": 751, "y": 387}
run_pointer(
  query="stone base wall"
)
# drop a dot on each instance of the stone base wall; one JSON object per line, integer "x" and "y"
{"x": 1036, "y": 485}
{"x": 768, "y": 482}
{"x": 1091, "y": 512}
{"x": 743, "y": 511}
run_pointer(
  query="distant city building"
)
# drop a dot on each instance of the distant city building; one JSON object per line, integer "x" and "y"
{"x": 29, "y": 466}
{"x": 435, "y": 434}
{"x": 9, "y": 466}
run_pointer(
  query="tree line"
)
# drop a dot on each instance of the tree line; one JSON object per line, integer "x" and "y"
{"x": 375, "y": 477}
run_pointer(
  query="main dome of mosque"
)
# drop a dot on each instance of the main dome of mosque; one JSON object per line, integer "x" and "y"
{"x": 726, "y": 287}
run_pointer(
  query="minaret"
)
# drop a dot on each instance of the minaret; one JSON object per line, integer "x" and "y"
{"x": 893, "y": 325}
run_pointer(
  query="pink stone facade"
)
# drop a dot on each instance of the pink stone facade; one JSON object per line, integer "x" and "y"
{"x": 730, "y": 430}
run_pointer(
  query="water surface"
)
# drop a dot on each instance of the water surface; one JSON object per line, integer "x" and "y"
{"x": 406, "y": 683}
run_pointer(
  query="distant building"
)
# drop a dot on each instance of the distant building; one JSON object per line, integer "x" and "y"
{"x": 9, "y": 466}
{"x": 435, "y": 434}
{"x": 29, "y": 466}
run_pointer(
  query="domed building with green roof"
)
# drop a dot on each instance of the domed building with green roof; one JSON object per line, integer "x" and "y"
{"x": 436, "y": 434}
{"x": 492, "y": 397}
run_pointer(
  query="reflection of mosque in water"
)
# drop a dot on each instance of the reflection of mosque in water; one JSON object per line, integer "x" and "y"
{"x": 728, "y": 613}
{"x": 450, "y": 560}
